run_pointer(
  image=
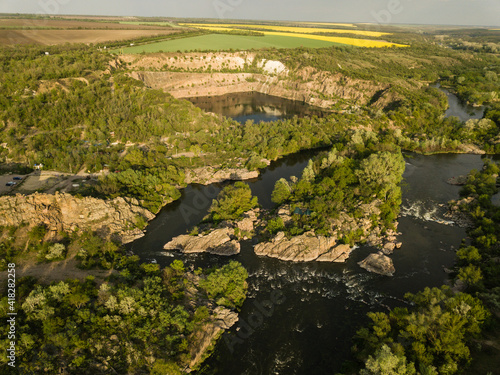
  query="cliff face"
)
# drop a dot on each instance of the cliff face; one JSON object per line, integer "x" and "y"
{"x": 321, "y": 89}
{"x": 65, "y": 212}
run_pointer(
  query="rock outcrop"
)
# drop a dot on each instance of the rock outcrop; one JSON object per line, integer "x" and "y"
{"x": 224, "y": 319}
{"x": 64, "y": 212}
{"x": 378, "y": 263}
{"x": 457, "y": 214}
{"x": 318, "y": 88}
{"x": 338, "y": 254}
{"x": 304, "y": 248}
{"x": 457, "y": 180}
{"x": 217, "y": 242}
{"x": 209, "y": 175}
{"x": 250, "y": 219}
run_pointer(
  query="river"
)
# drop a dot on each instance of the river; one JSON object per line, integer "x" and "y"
{"x": 458, "y": 108}
{"x": 308, "y": 329}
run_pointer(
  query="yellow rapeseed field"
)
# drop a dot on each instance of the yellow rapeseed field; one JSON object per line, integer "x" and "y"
{"x": 305, "y": 30}
{"x": 305, "y": 33}
{"x": 329, "y": 24}
{"x": 211, "y": 28}
{"x": 343, "y": 40}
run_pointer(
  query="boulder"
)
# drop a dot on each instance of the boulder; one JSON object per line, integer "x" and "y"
{"x": 245, "y": 225}
{"x": 388, "y": 248}
{"x": 378, "y": 263}
{"x": 216, "y": 242}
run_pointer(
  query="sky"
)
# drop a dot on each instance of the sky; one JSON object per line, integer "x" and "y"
{"x": 441, "y": 12}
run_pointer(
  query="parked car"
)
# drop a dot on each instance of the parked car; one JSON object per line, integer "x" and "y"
{"x": 10, "y": 183}
{"x": 17, "y": 178}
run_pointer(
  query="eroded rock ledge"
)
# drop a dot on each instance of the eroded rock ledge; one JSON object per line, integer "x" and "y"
{"x": 218, "y": 242}
{"x": 304, "y": 248}
{"x": 208, "y": 175}
{"x": 116, "y": 217}
{"x": 224, "y": 319}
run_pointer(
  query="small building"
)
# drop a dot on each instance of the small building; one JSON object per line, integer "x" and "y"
{"x": 38, "y": 166}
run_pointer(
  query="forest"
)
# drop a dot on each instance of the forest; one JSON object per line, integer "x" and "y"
{"x": 143, "y": 320}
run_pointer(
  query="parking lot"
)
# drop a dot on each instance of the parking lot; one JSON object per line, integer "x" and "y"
{"x": 7, "y": 178}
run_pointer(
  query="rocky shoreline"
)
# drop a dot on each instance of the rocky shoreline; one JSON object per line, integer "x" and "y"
{"x": 115, "y": 218}
{"x": 205, "y": 337}
{"x": 209, "y": 175}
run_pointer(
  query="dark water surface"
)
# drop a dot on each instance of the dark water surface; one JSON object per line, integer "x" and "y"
{"x": 299, "y": 318}
{"x": 254, "y": 106}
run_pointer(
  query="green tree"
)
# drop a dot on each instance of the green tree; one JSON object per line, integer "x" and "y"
{"x": 232, "y": 202}
{"x": 470, "y": 274}
{"x": 281, "y": 192}
{"x": 385, "y": 362}
{"x": 226, "y": 285}
{"x": 381, "y": 171}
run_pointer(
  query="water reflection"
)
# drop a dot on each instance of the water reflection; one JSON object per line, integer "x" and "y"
{"x": 254, "y": 106}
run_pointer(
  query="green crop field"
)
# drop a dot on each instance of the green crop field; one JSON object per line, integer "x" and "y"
{"x": 222, "y": 42}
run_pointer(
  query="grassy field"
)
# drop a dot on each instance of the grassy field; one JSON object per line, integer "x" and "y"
{"x": 226, "y": 42}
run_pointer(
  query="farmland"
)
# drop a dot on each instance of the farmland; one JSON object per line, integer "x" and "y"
{"x": 309, "y": 33}
{"x": 51, "y": 37}
{"x": 328, "y": 24}
{"x": 289, "y": 29}
{"x": 28, "y": 23}
{"x": 60, "y": 31}
{"x": 227, "y": 42}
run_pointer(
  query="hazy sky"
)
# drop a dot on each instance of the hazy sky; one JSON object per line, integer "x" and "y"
{"x": 445, "y": 12}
